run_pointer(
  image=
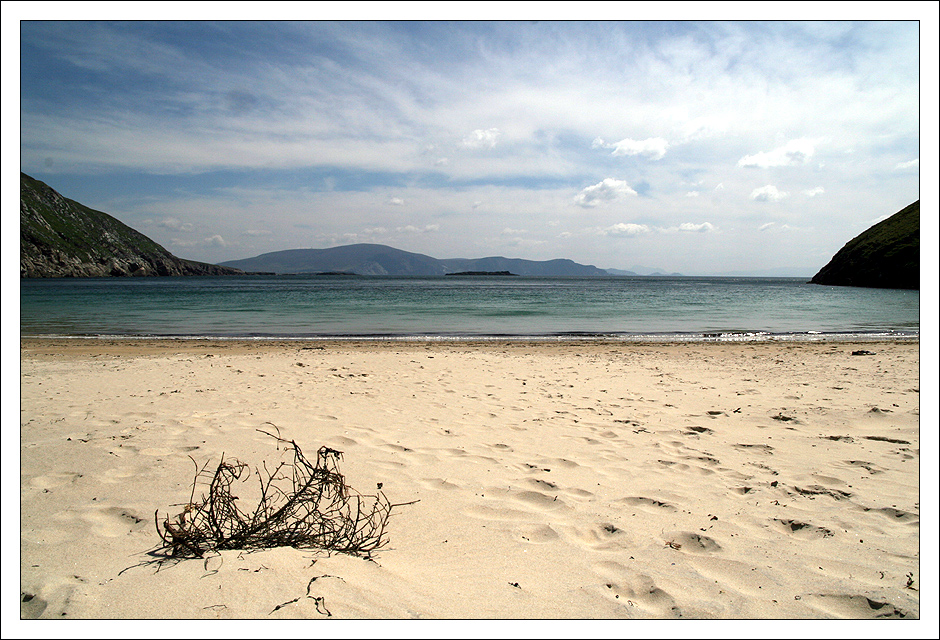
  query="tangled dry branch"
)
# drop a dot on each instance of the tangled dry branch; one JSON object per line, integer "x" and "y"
{"x": 302, "y": 505}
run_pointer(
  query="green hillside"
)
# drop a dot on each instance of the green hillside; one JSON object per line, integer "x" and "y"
{"x": 63, "y": 238}
{"x": 887, "y": 255}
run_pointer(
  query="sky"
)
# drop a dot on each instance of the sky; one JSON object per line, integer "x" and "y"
{"x": 704, "y": 147}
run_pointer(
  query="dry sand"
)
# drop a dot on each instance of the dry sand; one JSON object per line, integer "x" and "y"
{"x": 585, "y": 480}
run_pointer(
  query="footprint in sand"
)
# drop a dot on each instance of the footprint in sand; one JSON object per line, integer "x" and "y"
{"x": 487, "y": 512}
{"x": 681, "y": 466}
{"x": 854, "y": 607}
{"x": 437, "y": 483}
{"x": 537, "y": 499}
{"x": 53, "y": 480}
{"x": 551, "y": 488}
{"x": 31, "y": 606}
{"x": 689, "y": 542}
{"x": 535, "y": 533}
{"x": 695, "y": 431}
{"x": 867, "y": 466}
{"x": 896, "y": 515}
{"x": 639, "y": 501}
{"x": 635, "y": 590}
{"x": 111, "y": 522}
{"x": 119, "y": 474}
{"x": 760, "y": 448}
{"x": 343, "y": 441}
{"x": 599, "y": 537}
{"x": 157, "y": 452}
{"x": 803, "y": 529}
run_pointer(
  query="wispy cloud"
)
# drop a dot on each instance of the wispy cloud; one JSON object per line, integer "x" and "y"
{"x": 653, "y": 148}
{"x": 340, "y": 127}
{"x": 428, "y": 228}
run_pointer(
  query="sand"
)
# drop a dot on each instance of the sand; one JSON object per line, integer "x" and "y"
{"x": 574, "y": 480}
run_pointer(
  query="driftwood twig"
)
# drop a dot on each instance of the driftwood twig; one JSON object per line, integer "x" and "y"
{"x": 302, "y": 504}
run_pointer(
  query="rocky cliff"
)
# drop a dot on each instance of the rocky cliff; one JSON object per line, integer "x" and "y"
{"x": 887, "y": 255}
{"x": 60, "y": 238}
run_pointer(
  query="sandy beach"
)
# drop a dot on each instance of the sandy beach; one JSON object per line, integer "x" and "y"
{"x": 571, "y": 480}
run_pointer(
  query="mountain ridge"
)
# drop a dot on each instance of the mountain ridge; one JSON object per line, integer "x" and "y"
{"x": 378, "y": 259}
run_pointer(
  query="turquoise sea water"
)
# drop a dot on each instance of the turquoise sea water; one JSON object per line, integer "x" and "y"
{"x": 629, "y": 308}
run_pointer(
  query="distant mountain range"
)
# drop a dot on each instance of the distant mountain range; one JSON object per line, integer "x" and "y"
{"x": 63, "y": 238}
{"x": 887, "y": 255}
{"x": 381, "y": 260}
{"x": 60, "y": 238}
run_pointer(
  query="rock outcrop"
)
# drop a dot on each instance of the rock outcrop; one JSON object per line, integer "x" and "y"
{"x": 886, "y": 256}
{"x": 60, "y": 238}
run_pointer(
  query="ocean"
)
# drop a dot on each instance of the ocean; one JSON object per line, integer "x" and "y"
{"x": 464, "y": 308}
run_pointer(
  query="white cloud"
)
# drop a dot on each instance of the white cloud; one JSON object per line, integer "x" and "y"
{"x": 768, "y": 193}
{"x": 256, "y": 232}
{"x": 607, "y": 190}
{"x": 795, "y": 152}
{"x": 692, "y": 194}
{"x": 909, "y": 164}
{"x": 481, "y": 139}
{"x": 626, "y": 229}
{"x": 175, "y": 224}
{"x": 811, "y": 193}
{"x": 513, "y": 232}
{"x": 212, "y": 241}
{"x": 654, "y": 148}
{"x": 696, "y": 228}
{"x": 396, "y": 201}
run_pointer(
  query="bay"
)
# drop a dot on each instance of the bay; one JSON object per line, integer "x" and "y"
{"x": 463, "y": 307}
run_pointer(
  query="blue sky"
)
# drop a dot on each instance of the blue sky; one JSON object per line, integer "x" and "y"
{"x": 702, "y": 147}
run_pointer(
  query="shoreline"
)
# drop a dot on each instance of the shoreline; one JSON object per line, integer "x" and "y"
{"x": 569, "y": 479}
{"x": 482, "y": 340}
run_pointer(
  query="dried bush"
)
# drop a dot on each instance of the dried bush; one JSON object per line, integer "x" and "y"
{"x": 302, "y": 505}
